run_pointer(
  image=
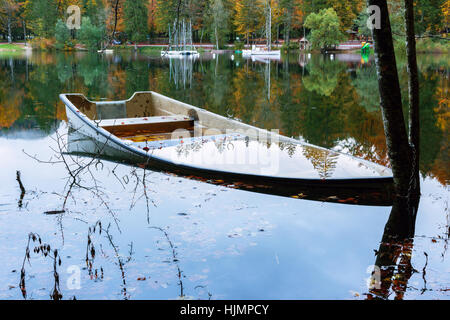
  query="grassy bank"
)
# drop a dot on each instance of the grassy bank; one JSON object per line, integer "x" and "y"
{"x": 426, "y": 45}
{"x": 151, "y": 50}
{"x": 11, "y": 47}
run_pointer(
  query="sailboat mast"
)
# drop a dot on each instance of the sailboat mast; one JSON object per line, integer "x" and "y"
{"x": 184, "y": 35}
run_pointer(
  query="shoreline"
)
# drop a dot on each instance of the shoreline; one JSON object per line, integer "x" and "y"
{"x": 21, "y": 47}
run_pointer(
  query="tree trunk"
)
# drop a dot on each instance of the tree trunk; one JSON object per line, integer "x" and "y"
{"x": 391, "y": 101}
{"x": 9, "y": 28}
{"x": 116, "y": 15}
{"x": 393, "y": 260}
{"x": 287, "y": 30}
{"x": 414, "y": 98}
{"x": 24, "y": 31}
{"x": 217, "y": 38}
{"x": 278, "y": 33}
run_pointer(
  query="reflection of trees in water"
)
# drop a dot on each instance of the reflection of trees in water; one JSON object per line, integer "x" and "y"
{"x": 289, "y": 147}
{"x": 246, "y": 84}
{"x": 216, "y": 88}
{"x": 366, "y": 86}
{"x": 137, "y": 76}
{"x": 393, "y": 267}
{"x": 322, "y": 76}
{"x": 181, "y": 70}
{"x": 322, "y": 160}
{"x": 29, "y": 98}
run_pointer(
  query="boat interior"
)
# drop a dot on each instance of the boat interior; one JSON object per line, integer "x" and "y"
{"x": 149, "y": 116}
{"x": 144, "y": 117}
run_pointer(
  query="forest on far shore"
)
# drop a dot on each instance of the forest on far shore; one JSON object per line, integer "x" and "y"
{"x": 222, "y": 22}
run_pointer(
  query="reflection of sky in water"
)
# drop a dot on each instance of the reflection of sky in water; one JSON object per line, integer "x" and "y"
{"x": 230, "y": 243}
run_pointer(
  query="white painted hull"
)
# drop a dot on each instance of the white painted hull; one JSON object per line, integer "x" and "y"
{"x": 261, "y": 53}
{"x": 109, "y": 51}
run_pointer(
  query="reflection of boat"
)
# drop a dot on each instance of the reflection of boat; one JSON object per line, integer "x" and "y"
{"x": 106, "y": 51}
{"x": 180, "y": 54}
{"x": 163, "y": 134}
{"x": 265, "y": 59}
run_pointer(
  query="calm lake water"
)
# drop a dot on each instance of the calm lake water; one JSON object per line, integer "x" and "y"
{"x": 127, "y": 233}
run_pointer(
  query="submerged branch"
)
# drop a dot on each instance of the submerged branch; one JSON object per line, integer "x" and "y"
{"x": 175, "y": 259}
{"x": 22, "y": 189}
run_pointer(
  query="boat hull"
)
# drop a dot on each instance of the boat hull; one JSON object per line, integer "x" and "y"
{"x": 98, "y": 142}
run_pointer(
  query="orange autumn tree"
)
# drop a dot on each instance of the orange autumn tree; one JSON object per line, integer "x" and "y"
{"x": 249, "y": 17}
{"x": 152, "y": 16}
{"x": 446, "y": 14}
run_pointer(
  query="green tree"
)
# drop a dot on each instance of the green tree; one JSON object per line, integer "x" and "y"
{"x": 287, "y": 7}
{"x": 325, "y": 29}
{"x": 62, "y": 35}
{"x": 90, "y": 35}
{"x": 136, "y": 16}
{"x": 95, "y": 10}
{"x": 218, "y": 22}
{"x": 429, "y": 17}
{"x": 41, "y": 16}
{"x": 361, "y": 23}
{"x": 168, "y": 12}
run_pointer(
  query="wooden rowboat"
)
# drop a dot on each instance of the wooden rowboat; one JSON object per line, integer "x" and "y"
{"x": 167, "y": 135}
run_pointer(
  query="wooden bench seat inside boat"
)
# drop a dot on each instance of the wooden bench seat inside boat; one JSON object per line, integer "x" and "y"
{"x": 146, "y": 125}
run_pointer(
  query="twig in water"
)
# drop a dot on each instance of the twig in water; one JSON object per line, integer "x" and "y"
{"x": 174, "y": 259}
{"x": 22, "y": 189}
{"x": 424, "y": 273}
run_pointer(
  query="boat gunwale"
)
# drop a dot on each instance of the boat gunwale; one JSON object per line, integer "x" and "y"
{"x": 273, "y": 179}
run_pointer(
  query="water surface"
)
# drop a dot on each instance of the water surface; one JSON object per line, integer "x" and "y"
{"x": 159, "y": 236}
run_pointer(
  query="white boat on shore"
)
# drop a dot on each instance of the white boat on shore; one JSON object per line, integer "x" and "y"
{"x": 257, "y": 51}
